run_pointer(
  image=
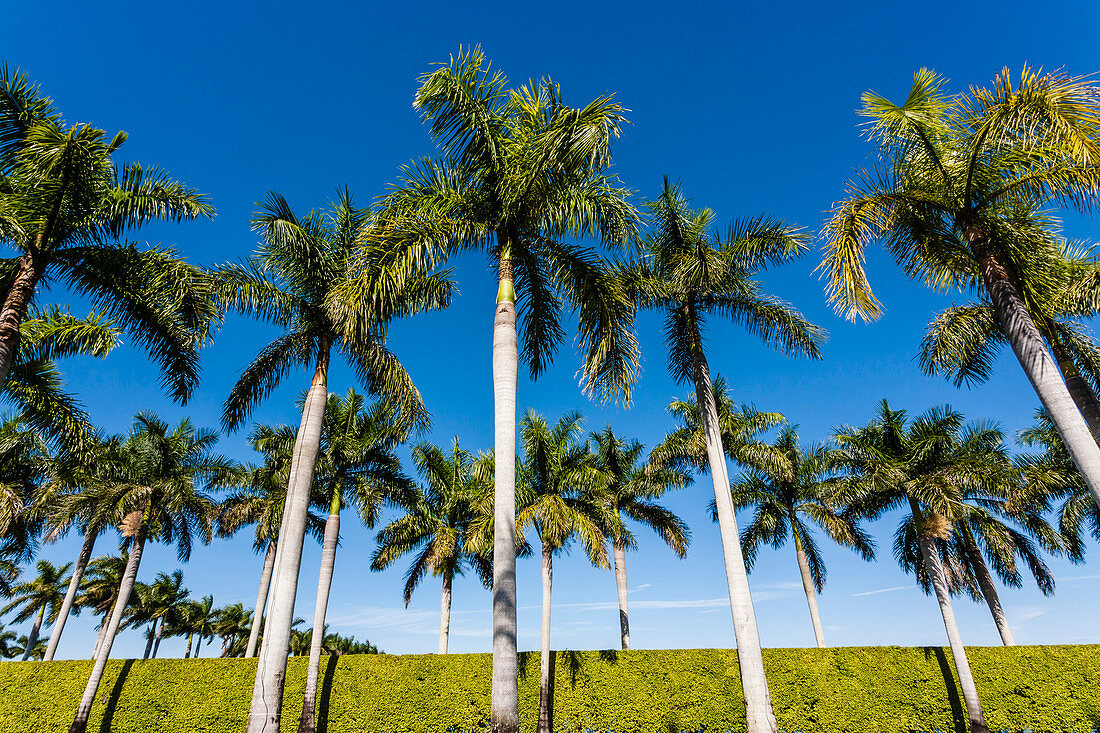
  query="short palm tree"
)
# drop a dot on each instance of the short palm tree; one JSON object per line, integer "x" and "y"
{"x": 957, "y": 171}
{"x": 689, "y": 274}
{"x": 439, "y": 525}
{"x": 163, "y": 497}
{"x": 561, "y": 498}
{"x": 358, "y": 467}
{"x": 156, "y": 604}
{"x": 300, "y": 280}
{"x": 8, "y": 650}
{"x": 233, "y": 624}
{"x": 32, "y": 648}
{"x": 69, "y": 211}
{"x": 520, "y": 172}
{"x": 786, "y": 499}
{"x": 192, "y": 619}
{"x": 39, "y": 597}
{"x": 925, "y": 466}
{"x": 631, "y": 490}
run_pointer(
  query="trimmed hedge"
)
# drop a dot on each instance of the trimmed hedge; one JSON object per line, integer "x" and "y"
{"x": 1045, "y": 689}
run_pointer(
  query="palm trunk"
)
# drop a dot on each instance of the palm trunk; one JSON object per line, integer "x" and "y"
{"x": 160, "y": 635}
{"x": 808, "y": 586}
{"x": 267, "y": 691}
{"x": 620, "y": 586}
{"x": 989, "y": 592}
{"x": 261, "y": 601}
{"x": 198, "y": 647}
{"x": 149, "y": 640}
{"x": 308, "y": 722}
{"x": 1030, "y": 349}
{"x": 32, "y": 638}
{"x": 70, "y": 595}
{"x": 933, "y": 565}
{"x": 80, "y": 721}
{"x": 504, "y": 712}
{"x": 1079, "y": 390}
{"x": 546, "y": 667}
{"x": 102, "y": 632}
{"x": 190, "y": 638}
{"x": 28, "y": 271}
{"x": 760, "y": 718}
{"x": 445, "y": 612}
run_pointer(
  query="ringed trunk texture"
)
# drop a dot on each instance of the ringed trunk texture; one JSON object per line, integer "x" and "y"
{"x": 70, "y": 595}
{"x": 129, "y": 576}
{"x": 1031, "y": 351}
{"x": 620, "y": 586}
{"x": 546, "y": 659}
{"x": 1079, "y": 390}
{"x": 267, "y": 691}
{"x": 504, "y": 712}
{"x": 808, "y": 586}
{"x": 445, "y": 612}
{"x": 307, "y": 723}
{"x": 760, "y": 717}
{"x": 28, "y": 271}
{"x": 261, "y": 601}
{"x": 989, "y": 592}
{"x": 934, "y": 567}
{"x": 32, "y": 638}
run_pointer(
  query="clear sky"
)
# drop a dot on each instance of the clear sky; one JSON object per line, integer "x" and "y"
{"x": 750, "y": 105}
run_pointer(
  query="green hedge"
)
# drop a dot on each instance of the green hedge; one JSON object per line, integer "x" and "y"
{"x": 859, "y": 689}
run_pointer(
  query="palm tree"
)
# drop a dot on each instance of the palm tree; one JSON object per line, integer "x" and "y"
{"x": 689, "y": 273}
{"x": 357, "y": 467}
{"x": 69, "y": 214}
{"x": 631, "y": 489}
{"x": 99, "y": 590}
{"x": 232, "y": 623}
{"x": 925, "y": 466}
{"x": 38, "y": 597}
{"x": 958, "y": 170}
{"x": 786, "y": 499}
{"x": 156, "y": 604}
{"x": 300, "y": 279}
{"x": 519, "y": 172}
{"x": 561, "y": 498}
{"x": 166, "y": 472}
{"x": 260, "y": 503}
{"x": 7, "y": 649}
{"x": 25, "y": 458}
{"x": 439, "y": 525}
{"x": 32, "y": 648}
{"x": 191, "y": 619}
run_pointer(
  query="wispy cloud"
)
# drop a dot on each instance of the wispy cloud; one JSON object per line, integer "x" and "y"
{"x": 643, "y": 586}
{"x": 1072, "y": 578}
{"x": 1022, "y": 614}
{"x": 880, "y": 590}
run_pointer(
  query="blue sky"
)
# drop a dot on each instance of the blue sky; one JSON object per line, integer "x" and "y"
{"x": 750, "y": 106}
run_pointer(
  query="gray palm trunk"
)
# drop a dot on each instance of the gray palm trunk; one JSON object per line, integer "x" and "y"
{"x": 445, "y": 612}
{"x": 546, "y": 659}
{"x": 307, "y": 723}
{"x": 808, "y": 586}
{"x": 129, "y": 576}
{"x": 32, "y": 638}
{"x": 1079, "y": 390}
{"x": 261, "y": 600}
{"x": 70, "y": 594}
{"x": 759, "y": 716}
{"x": 159, "y": 636}
{"x": 149, "y": 641}
{"x": 267, "y": 691}
{"x": 190, "y": 638}
{"x": 504, "y": 713}
{"x": 102, "y": 633}
{"x": 1031, "y": 351}
{"x": 934, "y": 567}
{"x": 620, "y": 586}
{"x": 989, "y": 592}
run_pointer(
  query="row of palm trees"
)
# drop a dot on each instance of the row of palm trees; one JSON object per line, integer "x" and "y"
{"x": 959, "y": 201}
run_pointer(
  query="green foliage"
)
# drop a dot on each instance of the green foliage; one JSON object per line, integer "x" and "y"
{"x": 849, "y": 690}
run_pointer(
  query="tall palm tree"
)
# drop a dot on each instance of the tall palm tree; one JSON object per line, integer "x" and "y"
{"x": 260, "y": 503}
{"x": 163, "y": 497}
{"x": 300, "y": 279}
{"x": 40, "y": 597}
{"x": 926, "y": 466}
{"x": 99, "y": 590}
{"x": 359, "y": 468}
{"x": 69, "y": 212}
{"x": 689, "y": 273}
{"x": 520, "y": 171}
{"x": 157, "y": 603}
{"x": 786, "y": 499}
{"x": 632, "y": 490}
{"x": 957, "y": 172}
{"x": 439, "y": 525}
{"x": 561, "y": 498}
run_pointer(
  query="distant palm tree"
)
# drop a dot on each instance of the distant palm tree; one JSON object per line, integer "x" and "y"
{"x": 317, "y": 278}
{"x": 39, "y": 597}
{"x": 925, "y": 466}
{"x": 561, "y": 498}
{"x": 439, "y": 523}
{"x": 163, "y": 498}
{"x": 192, "y": 619}
{"x": 69, "y": 213}
{"x": 232, "y": 623}
{"x": 25, "y": 457}
{"x": 631, "y": 490}
{"x": 156, "y": 604}
{"x": 32, "y": 648}
{"x": 787, "y": 498}
{"x": 7, "y": 649}
{"x": 99, "y": 590}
